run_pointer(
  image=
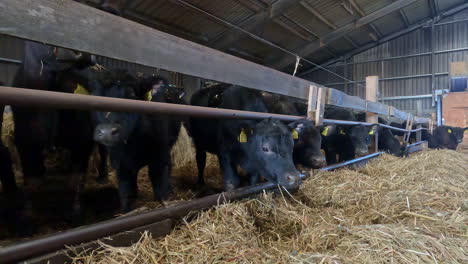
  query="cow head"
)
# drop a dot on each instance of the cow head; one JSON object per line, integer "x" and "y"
{"x": 156, "y": 89}
{"x": 267, "y": 148}
{"x": 307, "y": 143}
{"x": 68, "y": 58}
{"x": 458, "y": 133}
{"x": 359, "y": 137}
{"x": 114, "y": 128}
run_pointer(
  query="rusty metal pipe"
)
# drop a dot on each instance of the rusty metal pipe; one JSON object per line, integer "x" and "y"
{"x": 76, "y": 236}
{"x": 47, "y": 99}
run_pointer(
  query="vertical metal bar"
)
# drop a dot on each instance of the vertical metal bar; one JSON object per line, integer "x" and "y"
{"x": 439, "y": 110}
{"x": 433, "y": 63}
{"x": 345, "y": 69}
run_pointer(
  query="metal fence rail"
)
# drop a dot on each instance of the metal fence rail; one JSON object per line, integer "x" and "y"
{"x": 38, "y": 98}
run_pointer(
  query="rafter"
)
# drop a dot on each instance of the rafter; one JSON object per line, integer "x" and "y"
{"x": 434, "y": 7}
{"x": 152, "y": 22}
{"x": 317, "y": 14}
{"x": 340, "y": 32}
{"x": 251, "y": 24}
{"x": 361, "y": 13}
{"x": 404, "y": 17}
{"x": 324, "y": 20}
{"x": 295, "y": 30}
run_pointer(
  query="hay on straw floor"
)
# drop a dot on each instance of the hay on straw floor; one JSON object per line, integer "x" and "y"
{"x": 394, "y": 210}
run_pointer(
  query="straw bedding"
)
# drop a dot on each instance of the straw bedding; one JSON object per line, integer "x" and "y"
{"x": 394, "y": 210}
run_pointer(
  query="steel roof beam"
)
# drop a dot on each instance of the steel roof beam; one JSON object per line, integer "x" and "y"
{"x": 390, "y": 37}
{"x": 228, "y": 37}
{"x": 315, "y": 45}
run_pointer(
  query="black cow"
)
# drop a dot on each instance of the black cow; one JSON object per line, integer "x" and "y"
{"x": 260, "y": 147}
{"x": 346, "y": 141}
{"x": 443, "y": 137}
{"x": 137, "y": 140}
{"x": 38, "y": 129}
{"x": 308, "y": 141}
{"x": 388, "y": 142}
{"x": 446, "y": 137}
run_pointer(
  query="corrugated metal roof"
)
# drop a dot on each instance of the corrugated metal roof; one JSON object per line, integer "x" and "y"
{"x": 447, "y": 4}
{"x": 417, "y": 11}
{"x": 294, "y": 28}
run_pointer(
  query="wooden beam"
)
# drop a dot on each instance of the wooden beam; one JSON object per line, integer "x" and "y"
{"x": 68, "y": 24}
{"x": 320, "y": 109}
{"x": 227, "y": 38}
{"x": 154, "y": 23}
{"x": 340, "y": 32}
{"x": 372, "y": 89}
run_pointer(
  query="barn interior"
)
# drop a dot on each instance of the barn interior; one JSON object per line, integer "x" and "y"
{"x": 394, "y": 209}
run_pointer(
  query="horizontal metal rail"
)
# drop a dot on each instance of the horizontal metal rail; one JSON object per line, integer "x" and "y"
{"x": 6, "y": 60}
{"x": 37, "y": 98}
{"x": 351, "y": 162}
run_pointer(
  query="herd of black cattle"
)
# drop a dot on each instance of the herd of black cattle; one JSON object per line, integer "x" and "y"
{"x": 267, "y": 148}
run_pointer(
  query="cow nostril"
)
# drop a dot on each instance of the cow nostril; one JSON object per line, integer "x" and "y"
{"x": 291, "y": 179}
{"x": 114, "y": 131}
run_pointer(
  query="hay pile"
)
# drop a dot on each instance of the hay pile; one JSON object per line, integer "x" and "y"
{"x": 393, "y": 210}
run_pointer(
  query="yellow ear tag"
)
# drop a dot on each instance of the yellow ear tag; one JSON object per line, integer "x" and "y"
{"x": 371, "y": 132}
{"x": 148, "y": 96}
{"x": 342, "y": 132}
{"x": 295, "y": 135}
{"x": 242, "y": 136}
{"x": 450, "y": 131}
{"x": 325, "y": 131}
{"x": 466, "y": 132}
{"x": 80, "y": 90}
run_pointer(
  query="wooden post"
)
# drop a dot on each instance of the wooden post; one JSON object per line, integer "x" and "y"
{"x": 320, "y": 109}
{"x": 372, "y": 88}
{"x": 312, "y": 103}
{"x": 409, "y": 125}
{"x": 419, "y": 133}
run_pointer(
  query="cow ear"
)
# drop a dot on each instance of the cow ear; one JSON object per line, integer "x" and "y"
{"x": 328, "y": 130}
{"x": 373, "y": 130}
{"x": 245, "y": 132}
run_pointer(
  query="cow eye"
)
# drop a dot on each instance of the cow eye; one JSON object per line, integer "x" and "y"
{"x": 265, "y": 149}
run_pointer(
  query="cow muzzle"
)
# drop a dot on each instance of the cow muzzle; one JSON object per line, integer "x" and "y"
{"x": 107, "y": 134}
{"x": 362, "y": 152}
{"x": 291, "y": 180}
{"x": 316, "y": 162}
